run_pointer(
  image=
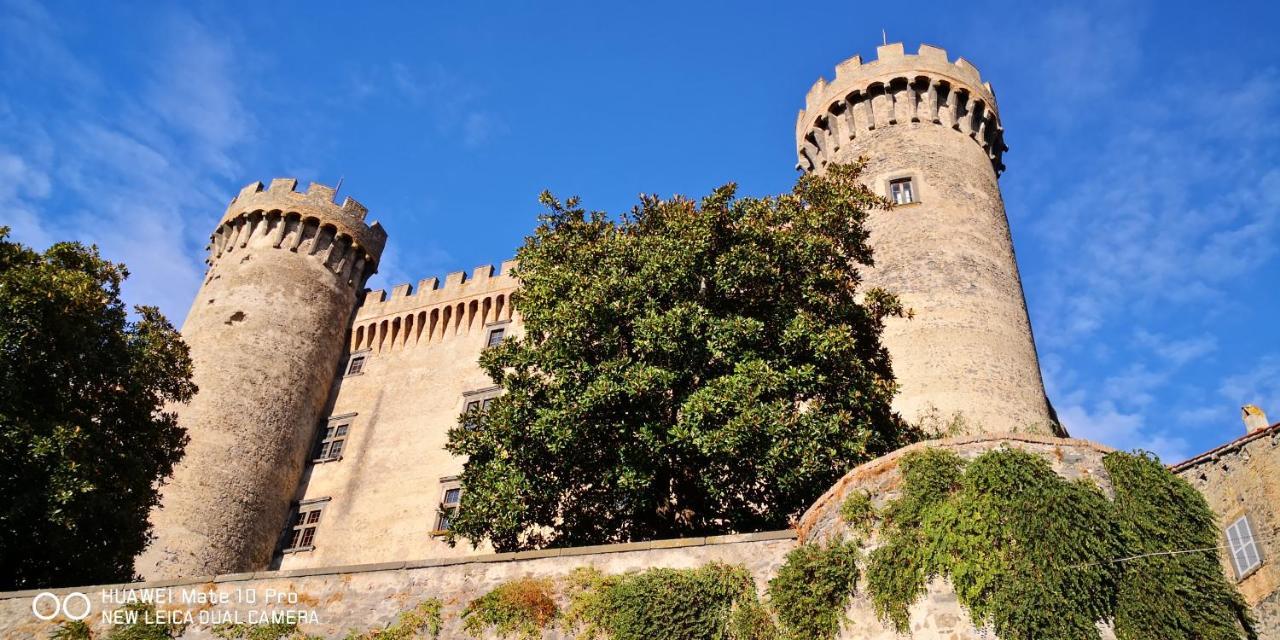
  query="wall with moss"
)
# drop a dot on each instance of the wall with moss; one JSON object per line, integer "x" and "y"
{"x": 906, "y": 546}
{"x": 364, "y": 597}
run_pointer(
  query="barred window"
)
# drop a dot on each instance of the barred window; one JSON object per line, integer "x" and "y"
{"x": 1244, "y": 549}
{"x": 301, "y": 534}
{"x": 902, "y": 191}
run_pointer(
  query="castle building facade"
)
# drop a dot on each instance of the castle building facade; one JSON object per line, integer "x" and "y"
{"x": 318, "y": 433}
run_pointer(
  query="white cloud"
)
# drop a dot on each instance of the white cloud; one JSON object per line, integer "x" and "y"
{"x": 129, "y": 172}
{"x": 1259, "y": 385}
{"x": 1178, "y": 352}
{"x": 1104, "y": 422}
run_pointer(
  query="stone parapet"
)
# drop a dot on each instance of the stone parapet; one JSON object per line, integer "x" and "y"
{"x": 897, "y": 88}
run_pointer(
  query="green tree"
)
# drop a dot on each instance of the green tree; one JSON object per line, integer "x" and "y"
{"x": 689, "y": 369}
{"x": 84, "y": 440}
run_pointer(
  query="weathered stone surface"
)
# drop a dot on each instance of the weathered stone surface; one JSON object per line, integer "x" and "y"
{"x": 366, "y": 597}
{"x": 938, "y": 615}
{"x": 1239, "y": 479}
{"x": 421, "y": 348}
{"x": 948, "y": 255}
{"x": 266, "y": 331}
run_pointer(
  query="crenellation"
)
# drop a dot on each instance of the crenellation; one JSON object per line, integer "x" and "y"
{"x": 934, "y": 123}
{"x": 890, "y": 90}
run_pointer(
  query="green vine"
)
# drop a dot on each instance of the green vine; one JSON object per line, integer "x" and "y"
{"x": 262, "y": 631}
{"x": 1031, "y": 554}
{"x": 1184, "y": 595}
{"x": 520, "y": 608}
{"x": 715, "y": 601}
{"x": 72, "y": 630}
{"x": 813, "y": 587}
{"x": 144, "y": 626}
{"x": 858, "y": 512}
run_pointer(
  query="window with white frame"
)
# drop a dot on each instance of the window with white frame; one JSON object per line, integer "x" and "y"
{"x": 301, "y": 533}
{"x": 333, "y": 439}
{"x": 1244, "y": 549}
{"x": 450, "y": 498}
{"x": 496, "y": 335}
{"x": 902, "y": 190}
{"x": 355, "y": 364}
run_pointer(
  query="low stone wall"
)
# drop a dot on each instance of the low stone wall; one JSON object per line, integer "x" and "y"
{"x": 368, "y": 596}
{"x": 938, "y": 615}
{"x": 363, "y": 597}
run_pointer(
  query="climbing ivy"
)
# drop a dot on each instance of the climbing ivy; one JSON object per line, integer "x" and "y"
{"x": 813, "y": 587}
{"x": 144, "y": 625}
{"x": 858, "y": 512}
{"x": 715, "y": 601}
{"x": 520, "y": 608}
{"x": 426, "y": 618}
{"x": 261, "y": 631}
{"x": 1031, "y": 554}
{"x": 72, "y": 630}
{"x": 1184, "y": 595}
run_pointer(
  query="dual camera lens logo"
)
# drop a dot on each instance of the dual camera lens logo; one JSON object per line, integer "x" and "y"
{"x": 74, "y": 605}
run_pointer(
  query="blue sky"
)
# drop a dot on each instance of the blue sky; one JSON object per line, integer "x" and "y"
{"x": 1143, "y": 186}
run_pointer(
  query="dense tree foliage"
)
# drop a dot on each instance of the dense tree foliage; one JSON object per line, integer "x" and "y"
{"x": 691, "y": 368}
{"x": 83, "y": 437}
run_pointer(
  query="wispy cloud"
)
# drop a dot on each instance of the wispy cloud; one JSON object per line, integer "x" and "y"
{"x": 130, "y": 174}
{"x": 1144, "y": 237}
{"x": 457, "y": 106}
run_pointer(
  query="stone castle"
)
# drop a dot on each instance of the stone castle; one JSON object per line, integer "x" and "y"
{"x": 317, "y": 437}
{"x": 317, "y": 459}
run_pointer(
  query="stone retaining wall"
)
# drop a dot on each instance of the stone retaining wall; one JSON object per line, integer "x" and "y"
{"x": 362, "y": 597}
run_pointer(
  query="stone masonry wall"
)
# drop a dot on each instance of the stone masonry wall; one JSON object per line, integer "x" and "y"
{"x": 381, "y": 499}
{"x": 266, "y": 333}
{"x": 370, "y": 596}
{"x": 948, "y": 255}
{"x": 938, "y": 615}
{"x": 1242, "y": 478}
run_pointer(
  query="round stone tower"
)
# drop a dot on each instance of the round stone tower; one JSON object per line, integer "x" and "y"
{"x": 267, "y": 332}
{"x": 932, "y": 136}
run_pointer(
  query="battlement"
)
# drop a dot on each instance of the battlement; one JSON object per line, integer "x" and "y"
{"x": 431, "y": 291}
{"x": 309, "y": 223}
{"x": 897, "y": 87}
{"x": 434, "y": 312}
{"x": 316, "y": 202}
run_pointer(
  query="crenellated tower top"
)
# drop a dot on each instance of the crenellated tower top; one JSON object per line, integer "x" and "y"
{"x": 897, "y": 88}
{"x": 318, "y": 202}
{"x": 309, "y": 222}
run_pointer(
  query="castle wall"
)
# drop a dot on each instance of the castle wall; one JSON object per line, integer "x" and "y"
{"x": 364, "y": 597}
{"x": 1242, "y": 479}
{"x": 948, "y": 255}
{"x": 266, "y": 332}
{"x": 368, "y": 596}
{"x": 381, "y": 500}
{"x": 938, "y": 615}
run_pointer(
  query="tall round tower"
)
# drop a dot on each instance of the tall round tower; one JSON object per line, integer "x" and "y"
{"x": 932, "y": 136}
{"x": 266, "y": 332}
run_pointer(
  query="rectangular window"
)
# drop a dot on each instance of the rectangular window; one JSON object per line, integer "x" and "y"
{"x": 902, "y": 191}
{"x": 333, "y": 439}
{"x": 450, "y": 498}
{"x": 301, "y": 535}
{"x": 496, "y": 335}
{"x": 475, "y": 406}
{"x": 1244, "y": 549}
{"x": 356, "y": 364}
